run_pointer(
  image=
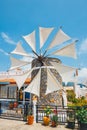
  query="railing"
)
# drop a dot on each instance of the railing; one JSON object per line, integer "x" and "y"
{"x": 21, "y": 111}
{"x": 15, "y": 111}
{"x": 61, "y": 113}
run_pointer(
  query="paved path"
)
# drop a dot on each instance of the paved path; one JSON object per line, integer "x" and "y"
{"x": 6, "y": 124}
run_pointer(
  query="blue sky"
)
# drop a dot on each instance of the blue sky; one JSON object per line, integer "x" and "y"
{"x": 21, "y": 17}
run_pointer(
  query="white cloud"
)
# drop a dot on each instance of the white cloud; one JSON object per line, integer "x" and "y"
{"x": 82, "y": 75}
{"x": 7, "y": 38}
{"x": 83, "y": 47}
{"x": 5, "y": 53}
{"x": 83, "y": 72}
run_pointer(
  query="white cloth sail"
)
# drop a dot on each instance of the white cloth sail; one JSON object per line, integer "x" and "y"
{"x": 20, "y": 79}
{"x": 44, "y": 33}
{"x": 20, "y": 50}
{"x": 59, "y": 38}
{"x": 62, "y": 68}
{"x": 52, "y": 83}
{"x": 66, "y": 72}
{"x": 68, "y": 50}
{"x": 34, "y": 86}
{"x": 30, "y": 39}
{"x": 15, "y": 63}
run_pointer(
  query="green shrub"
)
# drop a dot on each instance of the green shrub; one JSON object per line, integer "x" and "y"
{"x": 73, "y": 101}
{"x": 81, "y": 115}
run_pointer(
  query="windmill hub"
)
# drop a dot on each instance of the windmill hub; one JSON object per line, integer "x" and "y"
{"x": 40, "y": 58}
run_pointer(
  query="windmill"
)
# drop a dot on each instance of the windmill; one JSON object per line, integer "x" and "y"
{"x": 47, "y": 71}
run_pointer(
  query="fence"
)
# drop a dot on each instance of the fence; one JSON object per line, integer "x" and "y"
{"x": 20, "y": 111}
{"x": 14, "y": 110}
{"x": 62, "y": 112}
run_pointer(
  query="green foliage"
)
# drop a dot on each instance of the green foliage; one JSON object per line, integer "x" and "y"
{"x": 81, "y": 115}
{"x": 30, "y": 112}
{"x": 78, "y": 102}
{"x": 55, "y": 118}
{"x": 73, "y": 101}
{"x": 70, "y": 95}
{"x": 47, "y": 110}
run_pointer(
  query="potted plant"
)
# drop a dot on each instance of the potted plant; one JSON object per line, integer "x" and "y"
{"x": 54, "y": 119}
{"x": 30, "y": 118}
{"x": 71, "y": 118}
{"x": 46, "y": 118}
{"x": 81, "y": 115}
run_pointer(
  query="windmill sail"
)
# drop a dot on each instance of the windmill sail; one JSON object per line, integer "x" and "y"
{"x": 20, "y": 51}
{"x": 30, "y": 39}
{"x": 15, "y": 63}
{"x": 59, "y": 38}
{"x": 52, "y": 83}
{"x": 68, "y": 50}
{"x": 44, "y": 33}
{"x": 66, "y": 72}
{"x": 62, "y": 68}
{"x": 34, "y": 86}
{"x": 20, "y": 79}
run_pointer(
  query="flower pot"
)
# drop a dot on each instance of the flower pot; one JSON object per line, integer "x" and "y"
{"x": 83, "y": 126}
{"x": 46, "y": 120}
{"x": 53, "y": 124}
{"x": 30, "y": 119}
{"x": 71, "y": 124}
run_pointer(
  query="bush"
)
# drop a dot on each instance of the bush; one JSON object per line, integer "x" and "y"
{"x": 81, "y": 115}
{"x": 73, "y": 101}
{"x": 70, "y": 95}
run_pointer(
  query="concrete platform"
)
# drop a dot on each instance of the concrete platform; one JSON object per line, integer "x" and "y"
{"x": 6, "y": 124}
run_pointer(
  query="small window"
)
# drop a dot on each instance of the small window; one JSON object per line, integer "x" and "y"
{"x": 12, "y": 92}
{"x": 3, "y": 92}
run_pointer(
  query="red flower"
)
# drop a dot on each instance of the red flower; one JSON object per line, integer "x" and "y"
{"x": 55, "y": 111}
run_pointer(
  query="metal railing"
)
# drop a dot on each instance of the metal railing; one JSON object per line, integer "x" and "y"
{"x": 60, "y": 111}
{"x": 21, "y": 111}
